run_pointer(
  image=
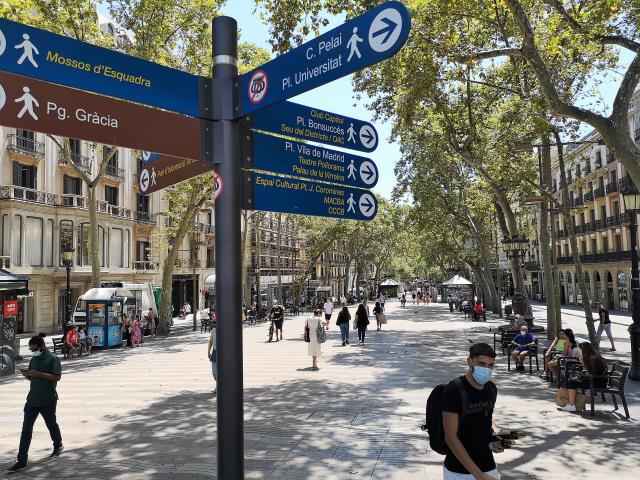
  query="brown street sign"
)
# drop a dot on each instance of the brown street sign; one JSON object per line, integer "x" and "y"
{"x": 44, "y": 107}
{"x": 167, "y": 171}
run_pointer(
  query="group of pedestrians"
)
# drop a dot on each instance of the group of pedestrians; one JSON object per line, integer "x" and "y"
{"x": 134, "y": 330}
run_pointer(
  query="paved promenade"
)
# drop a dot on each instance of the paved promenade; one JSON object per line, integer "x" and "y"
{"x": 149, "y": 413}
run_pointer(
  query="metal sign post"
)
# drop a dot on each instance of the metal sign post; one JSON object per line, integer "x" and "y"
{"x": 226, "y": 141}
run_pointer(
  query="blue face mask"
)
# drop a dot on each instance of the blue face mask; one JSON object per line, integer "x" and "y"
{"x": 37, "y": 353}
{"x": 482, "y": 374}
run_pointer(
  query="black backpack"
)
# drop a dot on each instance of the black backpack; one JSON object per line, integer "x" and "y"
{"x": 434, "y": 424}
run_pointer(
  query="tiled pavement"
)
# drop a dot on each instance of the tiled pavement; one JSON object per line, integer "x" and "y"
{"x": 148, "y": 413}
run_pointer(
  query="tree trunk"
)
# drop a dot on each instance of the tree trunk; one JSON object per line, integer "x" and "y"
{"x": 565, "y": 209}
{"x": 487, "y": 279}
{"x": 545, "y": 252}
{"x": 258, "y": 265}
{"x": 94, "y": 243}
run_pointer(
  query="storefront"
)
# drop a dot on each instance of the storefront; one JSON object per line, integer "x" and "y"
{"x": 13, "y": 290}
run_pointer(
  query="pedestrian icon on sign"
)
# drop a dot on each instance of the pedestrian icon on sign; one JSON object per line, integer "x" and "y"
{"x": 352, "y": 134}
{"x": 29, "y": 49}
{"x": 352, "y": 44}
{"x": 29, "y": 101}
{"x": 351, "y": 204}
{"x": 154, "y": 174}
{"x": 352, "y": 170}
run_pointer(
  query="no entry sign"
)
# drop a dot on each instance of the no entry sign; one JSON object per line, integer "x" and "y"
{"x": 44, "y": 107}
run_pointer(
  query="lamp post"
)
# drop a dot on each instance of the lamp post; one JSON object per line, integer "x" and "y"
{"x": 631, "y": 199}
{"x": 67, "y": 260}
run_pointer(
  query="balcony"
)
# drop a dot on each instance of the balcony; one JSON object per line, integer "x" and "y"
{"x": 532, "y": 266}
{"x": 115, "y": 173}
{"x": 5, "y": 262}
{"x": 73, "y": 201}
{"x": 602, "y": 257}
{"x": 115, "y": 210}
{"x": 587, "y": 169}
{"x": 601, "y": 224}
{"x": 25, "y": 146}
{"x": 80, "y": 161}
{"x": 146, "y": 217}
{"x": 562, "y": 234}
{"x": 144, "y": 266}
{"x": 206, "y": 229}
{"x": 13, "y": 192}
{"x": 598, "y": 192}
{"x": 578, "y": 201}
{"x": 625, "y": 184}
{"x": 612, "y": 187}
{"x": 588, "y": 197}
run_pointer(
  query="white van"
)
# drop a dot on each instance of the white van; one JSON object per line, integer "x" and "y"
{"x": 137, "y": 296}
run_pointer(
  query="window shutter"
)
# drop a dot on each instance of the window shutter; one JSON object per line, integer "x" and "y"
{"x": 16, "y": 173}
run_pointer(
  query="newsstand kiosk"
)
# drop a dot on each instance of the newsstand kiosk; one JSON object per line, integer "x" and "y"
{"x": 104, "y": 322}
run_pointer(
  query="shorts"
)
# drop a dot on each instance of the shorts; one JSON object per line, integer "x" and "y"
{"x": 278, "y": 323}
{"x": 521, "y": 350}
{"x": 327, "y": 316}
{"x": 447, "y": 475}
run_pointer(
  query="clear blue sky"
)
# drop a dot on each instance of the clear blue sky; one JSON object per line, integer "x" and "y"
{"x": 336, "y": 97}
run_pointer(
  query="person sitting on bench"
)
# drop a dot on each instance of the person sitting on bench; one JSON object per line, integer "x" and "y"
{"x": 523, "y": 341}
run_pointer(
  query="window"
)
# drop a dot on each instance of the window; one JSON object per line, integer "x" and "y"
{"x": 143, "y": 251}
{"x": 594, "y": 245}
{"x": 211, "y": 257}
{"x": 72, "y": 185}
{"x": 592, "y": 214}
{"x": 48, "y": 244}
{"x": 76, "y": 147}
{"x": 605, "y": 244}
{"x": 616, "y": 208}
{"x": 603, "y": 212}
{"x": 127, "y": 249}
{"x": 6, "y": 229}
{"x": 113, "y": 162}
{"x": 82, "y": 248}
{"x": 65, "y": 236}
{"x": 25, "y": 176}
{"x": 601, "y": 183}
{"x": 598, "y": 158}
{"x": 33, "y": 238}
{"x": 115, "y": 247}
{"x": 111, "y": 195}
{"x": 613, "y": 175}
{"x": 618, "y": 243}
{"x": 17, "y": 241}
{"x": 143, "y": 203}
{"x": 583, "y": 248}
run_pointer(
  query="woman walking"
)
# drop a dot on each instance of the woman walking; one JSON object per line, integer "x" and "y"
{"x": 377, "y": 311}
{"x": 362, "y": 320}
{"x": 605, "y": 325}
{"x": 314, "y": 349}
{"x": 136, "y": 332}
{"x": 344, "y": 317}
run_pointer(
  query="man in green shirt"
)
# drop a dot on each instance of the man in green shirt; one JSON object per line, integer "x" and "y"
{"x": 44, "y": 373}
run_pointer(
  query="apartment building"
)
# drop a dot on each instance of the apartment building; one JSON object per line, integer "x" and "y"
{"x": 43, "y": 210}
{"x": 595, "y": 179}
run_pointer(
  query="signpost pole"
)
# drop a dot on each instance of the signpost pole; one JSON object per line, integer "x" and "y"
{"x": 226, "y": 141}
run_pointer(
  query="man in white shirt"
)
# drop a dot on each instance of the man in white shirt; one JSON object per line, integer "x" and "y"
{"x": 382, "y": 300}
{"x": 328, "y": 310}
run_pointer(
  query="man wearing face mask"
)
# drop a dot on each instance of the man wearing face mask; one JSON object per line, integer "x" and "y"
{"x": 467, "y": 405}
{"x": 44, "y": 373}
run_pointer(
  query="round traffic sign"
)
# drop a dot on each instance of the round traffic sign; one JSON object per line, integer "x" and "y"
{"x": 368, "y": 136}
{"x": 146, "y": 155}
{"x": 258, "y": 86}
{"x": 218, "y": 184}
{"x": 144, "y": 180}
{"x": 367, "y": 205}
{"x": 3, "y": 97}
{"x": 385, "y": 30}
{"x": 3, "y": 43}
{"x": 368, "y": 173}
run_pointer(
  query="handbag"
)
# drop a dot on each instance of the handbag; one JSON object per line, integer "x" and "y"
{"x": 562, "y": 397}
{"x": 382, "y": 319}
{"x": 306, "y": 333}
{"x": 321, "y": 335}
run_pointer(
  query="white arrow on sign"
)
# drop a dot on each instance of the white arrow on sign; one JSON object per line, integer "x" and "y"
{"x": 144, "y": 180}
{"x": 368, "y": 137}
{"x": 3, "y": 43}
{"x": 146, "y": 155}
{"x": 385, "y": 30}
{"x": 367, "y": 205}
{"x": 368, "y": 172}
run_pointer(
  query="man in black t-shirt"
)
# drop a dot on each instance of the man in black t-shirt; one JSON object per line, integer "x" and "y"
{"x": 468, "y": 404}
{"x": 277, "y": 317}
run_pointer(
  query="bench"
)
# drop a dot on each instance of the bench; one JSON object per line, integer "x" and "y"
{"x": 504, "y": 338}
{"x": 616, "y": 378}
{"x": 533, "y": 353}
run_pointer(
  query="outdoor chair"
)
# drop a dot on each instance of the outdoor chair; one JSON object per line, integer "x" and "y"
{"x": 533, "y": 353}
{"x": 504, "y": 338}
{"x": 616, "y": 378}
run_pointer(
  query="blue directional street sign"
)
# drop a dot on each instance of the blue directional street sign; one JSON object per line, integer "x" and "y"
{"x": 280, "y": 155}
{"x": 295, "y": 120}
{"x": 148, "y": 157}
{"x": 43, "y": 55}
{"x": 291, "y": 195}
{"x": 358, "y": 43}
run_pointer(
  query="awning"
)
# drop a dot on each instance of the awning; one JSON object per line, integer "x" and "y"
{"x": 323, "y": 289}
{"x": 457, "y": 281}
{"x": 210, "y": 281}
{"x": 9, "y": 281}
{"x": 389, "y": 283}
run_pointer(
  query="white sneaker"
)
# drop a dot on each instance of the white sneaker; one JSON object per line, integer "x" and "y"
{"x": 568, "y": 408}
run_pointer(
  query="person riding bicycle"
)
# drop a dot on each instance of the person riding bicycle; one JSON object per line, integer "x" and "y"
{"x": 277, "y": 317}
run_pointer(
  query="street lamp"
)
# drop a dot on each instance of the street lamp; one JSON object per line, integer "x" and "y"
{"x": 631, "y": 199}
{"x": 67, "y": 260}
